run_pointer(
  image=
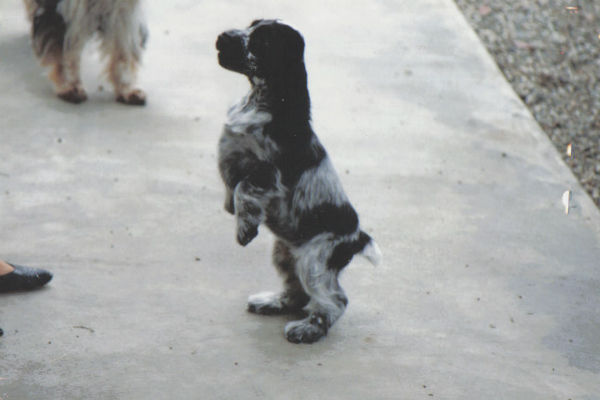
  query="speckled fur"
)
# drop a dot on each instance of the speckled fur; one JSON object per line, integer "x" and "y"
{"x": 277, "y": 173}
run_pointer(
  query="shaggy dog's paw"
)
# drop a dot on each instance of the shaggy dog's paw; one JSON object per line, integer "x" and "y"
{"x": 246, "y": 233}
{"x": 73, "y": 95}
{"x": 136, "y": 97}
{"x": 307, "y": 330}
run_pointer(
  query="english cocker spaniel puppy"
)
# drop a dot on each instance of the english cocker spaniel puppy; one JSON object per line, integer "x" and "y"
{"x": 277, "y": 173}
{"x": 61, "y": 28}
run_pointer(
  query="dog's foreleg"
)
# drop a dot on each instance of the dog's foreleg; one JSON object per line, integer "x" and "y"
{"x": 248, "y": 212}
{"x": 251, "y": 197}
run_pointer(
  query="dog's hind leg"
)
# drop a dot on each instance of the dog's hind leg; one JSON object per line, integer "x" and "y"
{"x": 292, "y": 298}
{"x": 327, "y": 298}
{"x": 122, "y": 71}
{"x": 66, "y": 76}
{"x": 123, "y": 40}
{"x": 57, "y": 47}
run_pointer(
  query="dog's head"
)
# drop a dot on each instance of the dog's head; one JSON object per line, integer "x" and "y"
{"x": 265, "y": 49}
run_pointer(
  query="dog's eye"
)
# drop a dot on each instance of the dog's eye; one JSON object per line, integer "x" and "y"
{"x": 258, "y": 45}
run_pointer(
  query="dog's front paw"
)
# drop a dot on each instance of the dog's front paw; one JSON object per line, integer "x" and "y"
{"x": 136, "y": 97}
{"x": 246, "y": 232}
{"x": 73, "y": 95}
{"x": 307, "y": 330}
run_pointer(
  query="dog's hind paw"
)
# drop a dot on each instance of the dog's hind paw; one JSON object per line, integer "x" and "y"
{"x": 266, "y": 303}
{"x": 307, "y": 330}
{"x": 73, "y": 95}
{"x": 136, "y": 97}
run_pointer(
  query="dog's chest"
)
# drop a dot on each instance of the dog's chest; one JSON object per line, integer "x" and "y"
{"x": 244, "y": 131}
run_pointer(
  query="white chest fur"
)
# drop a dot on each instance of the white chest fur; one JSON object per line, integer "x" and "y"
{"x": 245, "y": 118}
{"x": 244, "y": 130}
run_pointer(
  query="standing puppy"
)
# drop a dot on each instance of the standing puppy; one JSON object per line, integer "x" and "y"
{"x": 277, "y": 172}
{"x": 61, "y": 28}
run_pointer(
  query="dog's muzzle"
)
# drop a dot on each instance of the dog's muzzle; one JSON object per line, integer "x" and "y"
{"x": 230, "y": 39}
{"x": 231, "y": 47}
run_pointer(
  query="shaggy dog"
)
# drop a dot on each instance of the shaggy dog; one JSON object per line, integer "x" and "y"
{"x": 276, "y": 172}
{"x": 61, "y": 28}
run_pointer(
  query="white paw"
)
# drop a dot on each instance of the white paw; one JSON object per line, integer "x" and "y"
{"x": 265, "y": 303}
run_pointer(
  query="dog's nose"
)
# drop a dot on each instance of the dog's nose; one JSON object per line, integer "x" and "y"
{"x": 222, "y": 40}
{"x": 228, "y": 38}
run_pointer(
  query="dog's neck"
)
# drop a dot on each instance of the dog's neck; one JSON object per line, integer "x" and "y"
{"x": 285, "y": 96}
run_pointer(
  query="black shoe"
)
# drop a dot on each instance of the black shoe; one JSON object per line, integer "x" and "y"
{"x": 23, "y": 278}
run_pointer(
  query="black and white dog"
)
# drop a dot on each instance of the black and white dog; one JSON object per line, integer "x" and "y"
{"x": 276, "y": 172}
{"x": 61, "y": 28}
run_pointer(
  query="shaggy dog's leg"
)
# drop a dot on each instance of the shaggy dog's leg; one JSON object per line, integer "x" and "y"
{"x": 57, "y": 46}
{"x": 66, "y": 75}
{"x": 121, "y": 72}
{"x": 327, "y": 298}
{"x": 293, "y": 297}
{"x": 123, "y": 40}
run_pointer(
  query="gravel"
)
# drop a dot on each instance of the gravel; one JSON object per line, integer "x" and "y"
{"x": 549, "y": 51}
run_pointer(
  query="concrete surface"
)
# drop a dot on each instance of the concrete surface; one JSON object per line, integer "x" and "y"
{"x": 487, "y": 291}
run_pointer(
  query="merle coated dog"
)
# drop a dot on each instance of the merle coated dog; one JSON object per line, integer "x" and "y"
{"x": 61, "y": 28}
{"x": 277, "y": 173}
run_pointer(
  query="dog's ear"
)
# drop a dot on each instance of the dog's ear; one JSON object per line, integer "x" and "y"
{"x": 277, "y": 47}
{"x": 294, "y": 46}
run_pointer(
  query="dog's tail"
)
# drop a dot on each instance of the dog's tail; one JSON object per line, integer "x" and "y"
{"x": 363, "y": 245}
{"x": 370, "y": 249}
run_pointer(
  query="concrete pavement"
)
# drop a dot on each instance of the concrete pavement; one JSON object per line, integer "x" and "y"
{"x": 487, "y": 289}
